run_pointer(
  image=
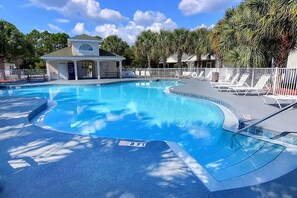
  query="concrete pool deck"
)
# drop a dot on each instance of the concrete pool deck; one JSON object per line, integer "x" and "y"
{"x": 41, "y": 163}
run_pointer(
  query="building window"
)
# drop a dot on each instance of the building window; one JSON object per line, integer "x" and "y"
{"x": 85, "y": 47}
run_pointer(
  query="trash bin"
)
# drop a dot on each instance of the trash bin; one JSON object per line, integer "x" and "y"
{"x": 215, "y": 77}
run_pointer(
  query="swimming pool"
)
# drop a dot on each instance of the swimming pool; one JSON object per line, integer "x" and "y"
{"x": 143, "y": 111}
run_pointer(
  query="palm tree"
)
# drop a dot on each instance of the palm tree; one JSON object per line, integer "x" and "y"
{"x": 256, "y": 31}
{"x": 115, "y": 45}
{"x": 145, "y": 45}
{"x": 233, "y": 40}
{"x": 199, "y": 43}
{"x": 278, "y": 23}
{"x": 180, "y": 43}
{"x": 164, "y": 43}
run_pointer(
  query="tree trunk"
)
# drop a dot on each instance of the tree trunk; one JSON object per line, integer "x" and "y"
{"x": 198, "y": 59}
{"x": 179, "y": 59}
{"x": 2, "y": 67}
{"x": 17, "y": 65}
{"x": 219, "y": 62}
{"x": 164, "y": 62}
{"x": 283, "y": 51}
{"x": 148, "y": 61}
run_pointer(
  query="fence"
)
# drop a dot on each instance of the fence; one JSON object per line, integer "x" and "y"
{"x": 23, "y": 74}
{"x": 282, "y": 81}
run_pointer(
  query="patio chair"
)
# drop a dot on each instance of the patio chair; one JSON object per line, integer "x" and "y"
{"x": 260, "y": 86}
{"x": 195, "y": 76}
{"x": 186, "y": 74}
{"x": 177, "y": 75}
{"x": 147, "y": 73}
{"x": 240, "y": 83}
{"x": 208, "y": 76}
{"x": 281, "y": 98}
{"x": 225, "y": 81}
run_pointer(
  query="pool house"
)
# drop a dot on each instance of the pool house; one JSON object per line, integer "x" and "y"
{"x": 83, "y": 59}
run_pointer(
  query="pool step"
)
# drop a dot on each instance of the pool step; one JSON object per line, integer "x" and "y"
{"x": 243, "y": 162}
{"x": 252, "y": 155}
{"x": 249, "y": 145}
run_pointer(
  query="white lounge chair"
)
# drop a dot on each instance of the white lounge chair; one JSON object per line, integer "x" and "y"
{"x": 208, "y": 76}
{"x": 232, "y": 82}
{"x": 240, "y": 83}
{"x": 200, "y": 76}
{"x": 195, "y": 76}
{"x": 225, "y": 81}
{"x": 281, "y": 98}
{"x": 147, "y": 73}
{"x": 260, "y": 86}
{"x": 186, "y": 74}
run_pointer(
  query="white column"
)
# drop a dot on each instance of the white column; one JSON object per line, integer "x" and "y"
{"x": 48, "y": 71}
{"x": 120, "y": 66}
{"x": 75, "y": 70}
{"x": 98, "y": 69}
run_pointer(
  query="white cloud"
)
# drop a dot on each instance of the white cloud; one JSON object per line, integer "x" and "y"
{"x": 82, "y": 9}
{"x": 203, "y": 26}
{"x": 128, "y": 33}
{"x": 62, "y": 20}
{"x": 55, "y": 28}
{"x": 80, "y": 29}
{"x": 149, "y": 20}
{"x": 148, "y": 17}
{"x": 190, "y": 7}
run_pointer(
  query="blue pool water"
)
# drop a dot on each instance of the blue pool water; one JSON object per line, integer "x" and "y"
{"x": 143, "y": 111}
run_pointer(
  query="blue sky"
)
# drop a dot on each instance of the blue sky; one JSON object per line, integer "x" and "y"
{"x": 125, "y": 18}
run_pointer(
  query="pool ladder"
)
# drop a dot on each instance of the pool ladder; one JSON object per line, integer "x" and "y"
{"x": 259, "y": 121}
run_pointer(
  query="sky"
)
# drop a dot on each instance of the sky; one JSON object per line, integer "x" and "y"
{"x": 125, "y": 18}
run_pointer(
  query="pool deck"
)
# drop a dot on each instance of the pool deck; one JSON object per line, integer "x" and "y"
{"x": 36, "y": 162}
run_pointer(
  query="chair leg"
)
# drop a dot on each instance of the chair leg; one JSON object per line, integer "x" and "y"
{"x": 279, "y": 104}
{"x": 246, "y": 92}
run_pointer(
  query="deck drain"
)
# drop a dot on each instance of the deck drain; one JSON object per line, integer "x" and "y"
{"x": 132, "y": 143}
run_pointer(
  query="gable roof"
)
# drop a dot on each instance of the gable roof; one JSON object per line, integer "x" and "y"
{"x": 203, "y": 57}
{"x": 173, "y": 58}
{"x": 85, "y": 37}
{"x": 67, "y": 52}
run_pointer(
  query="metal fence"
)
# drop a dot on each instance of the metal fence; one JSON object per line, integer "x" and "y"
{"x": 283, "y": 81}
{"x": 23, "y": 74}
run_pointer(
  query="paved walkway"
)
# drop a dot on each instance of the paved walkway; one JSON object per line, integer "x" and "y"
{"x": 35, "y": 162}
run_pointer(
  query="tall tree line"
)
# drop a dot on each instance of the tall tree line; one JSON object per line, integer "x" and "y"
{"x": 157, "y": 47}
{"x": 256, "y": 33}
{"x": 25, "y": 50}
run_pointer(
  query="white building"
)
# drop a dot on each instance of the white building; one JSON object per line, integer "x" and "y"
{"x": 206, "y": 61}
{"x": 292, "y": 60}
{"x": 83, "y": 59}
{"x": 8, "y": 68}
{"x": 190, "y": 60}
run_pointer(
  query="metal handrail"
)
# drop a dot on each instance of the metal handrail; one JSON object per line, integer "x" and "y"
{"x": 261, "y": 120}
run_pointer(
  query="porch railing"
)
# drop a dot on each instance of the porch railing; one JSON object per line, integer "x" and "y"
{"x": 23, "y": 74}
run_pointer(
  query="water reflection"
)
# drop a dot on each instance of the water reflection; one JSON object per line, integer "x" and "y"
{"x": 138, "y": 110}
